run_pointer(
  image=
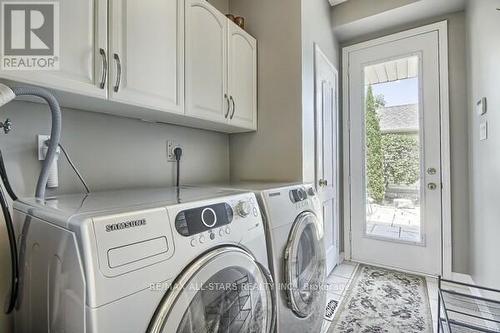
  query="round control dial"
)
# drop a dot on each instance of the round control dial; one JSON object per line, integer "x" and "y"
{"x": 243, "y": 208}
{"x": 208, "y": 217}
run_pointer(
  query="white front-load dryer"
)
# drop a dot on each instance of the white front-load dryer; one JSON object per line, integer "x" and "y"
{"x": 294, "y": 230}
{"x": 153, "y": 260}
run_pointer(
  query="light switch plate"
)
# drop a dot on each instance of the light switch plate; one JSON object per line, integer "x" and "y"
{"x": 483, "y": 131}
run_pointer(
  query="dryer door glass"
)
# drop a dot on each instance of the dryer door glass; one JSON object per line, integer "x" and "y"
{"x": 225, "y": 291}
{"x": 305, "y": 265}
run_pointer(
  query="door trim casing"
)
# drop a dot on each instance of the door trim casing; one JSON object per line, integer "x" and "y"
{"x": 446, "y": 233}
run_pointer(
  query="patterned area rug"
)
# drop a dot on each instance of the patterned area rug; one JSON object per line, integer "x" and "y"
{"x": 381, "y": 300}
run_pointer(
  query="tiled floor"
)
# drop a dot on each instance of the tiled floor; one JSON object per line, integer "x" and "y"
{"x": 339, "y": 282}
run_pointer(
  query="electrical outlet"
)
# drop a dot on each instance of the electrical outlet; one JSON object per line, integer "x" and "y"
{"x": 41, "y": 142}
{"x": 171, "y": 145}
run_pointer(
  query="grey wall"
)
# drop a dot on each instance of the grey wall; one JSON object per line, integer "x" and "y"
{"x": 111, "y": 152}
{"x": 316, "y": 29}
{"x": 274, "y": 152}
{"x": 283, "y": 147}
{"x": 221, "y": 5}
{"x": 483, "y": 25}
{"x": 355, "y": 10}
{"x": 458, "y": 128}
{"x": 362, "y": 17}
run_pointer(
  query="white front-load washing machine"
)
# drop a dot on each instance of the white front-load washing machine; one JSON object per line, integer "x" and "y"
{"x": 150, "y": 260}
{"x": 294, "y": 230}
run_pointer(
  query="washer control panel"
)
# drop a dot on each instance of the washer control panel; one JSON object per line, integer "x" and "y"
{"x": 198, "y": 220}
{"x": 243, "y": 208}
{"x": 298, "y": 194}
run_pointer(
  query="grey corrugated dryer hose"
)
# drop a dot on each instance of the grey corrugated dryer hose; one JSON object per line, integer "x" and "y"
{"x": 7, "y": 94}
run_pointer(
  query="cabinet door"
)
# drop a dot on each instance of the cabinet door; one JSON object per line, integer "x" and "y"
{"x": 242, "y": 77}
{"x": 82, "y": 51}
{"x": 146, "y": 53}
{"x": 206, "y": 62}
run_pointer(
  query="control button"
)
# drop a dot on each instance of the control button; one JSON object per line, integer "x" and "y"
{"x": 202, "y": 239}
{"x": 311, "y": 192}
{"x": 193, "y": 242}
{"x": 208, "y": 217}
{"x": 301, "y": 194}
{"x": 228, "y": 230}
{"x": 221, "y": 232}
{"x": 252, "y": 200}
{"x": 298, "y": 195}
{"x": 212, "y": 236}
{"x": 243, "y": 208}
{"x": 255, "y": 212}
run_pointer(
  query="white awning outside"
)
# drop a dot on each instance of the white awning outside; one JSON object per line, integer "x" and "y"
{"x": 394, "y": 70}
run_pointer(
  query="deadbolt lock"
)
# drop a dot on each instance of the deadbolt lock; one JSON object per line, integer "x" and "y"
{"x": 323, "y": 182}
{"x": 431, "y": 186}
{"x": 431, "y": 171}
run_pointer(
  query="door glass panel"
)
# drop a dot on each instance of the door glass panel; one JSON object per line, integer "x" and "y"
{"x": 392, "y": 150}
{"x": 230, "y": 301}
{"x": 308, "y": 269}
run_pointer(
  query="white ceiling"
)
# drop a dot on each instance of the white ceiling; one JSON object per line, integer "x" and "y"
{"x": 336, "y": 2}
{"x": 386, "y": 19}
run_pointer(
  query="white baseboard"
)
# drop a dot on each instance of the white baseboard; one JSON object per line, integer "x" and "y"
{"x": 341, "y": 257}
{"x": 462, "y": 278}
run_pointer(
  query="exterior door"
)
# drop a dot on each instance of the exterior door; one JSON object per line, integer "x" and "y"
{"x": 242, "y": 75}
{"x": 395, "y": 153}
{"x": 206, "y": 62}
{"x": 83, "y": 51}
{"x": 226, "y": 290}
{"x": 147, "y": 53}
{"x": 326, "y": 91}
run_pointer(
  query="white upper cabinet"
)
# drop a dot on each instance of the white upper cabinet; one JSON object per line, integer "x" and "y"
{"x": 206, "y": 62}
{"x": 146, "y": 53}
{"x": 175, "y": 61}
{"x": 83, "y": 51}
{"x": 221, "y": 68}
{"x": 242, "y": 74}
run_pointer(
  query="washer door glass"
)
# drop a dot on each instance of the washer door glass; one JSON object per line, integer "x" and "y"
{"x": 225, "y": 291}
{"x": 305, "y": 265}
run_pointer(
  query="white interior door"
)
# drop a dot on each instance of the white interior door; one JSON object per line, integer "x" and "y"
{"x": 326, "y": 95}
{"x": 395, "y": 153}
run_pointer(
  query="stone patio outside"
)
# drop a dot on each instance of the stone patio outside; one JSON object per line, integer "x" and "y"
{"x": 389, "y": 221}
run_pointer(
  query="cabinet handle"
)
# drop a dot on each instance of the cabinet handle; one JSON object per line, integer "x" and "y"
{"x": 118, "y": 72}
{"x": 228, "y": 106}
{"x": 104, "y": 77}
{"x": 234, "y": 107}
